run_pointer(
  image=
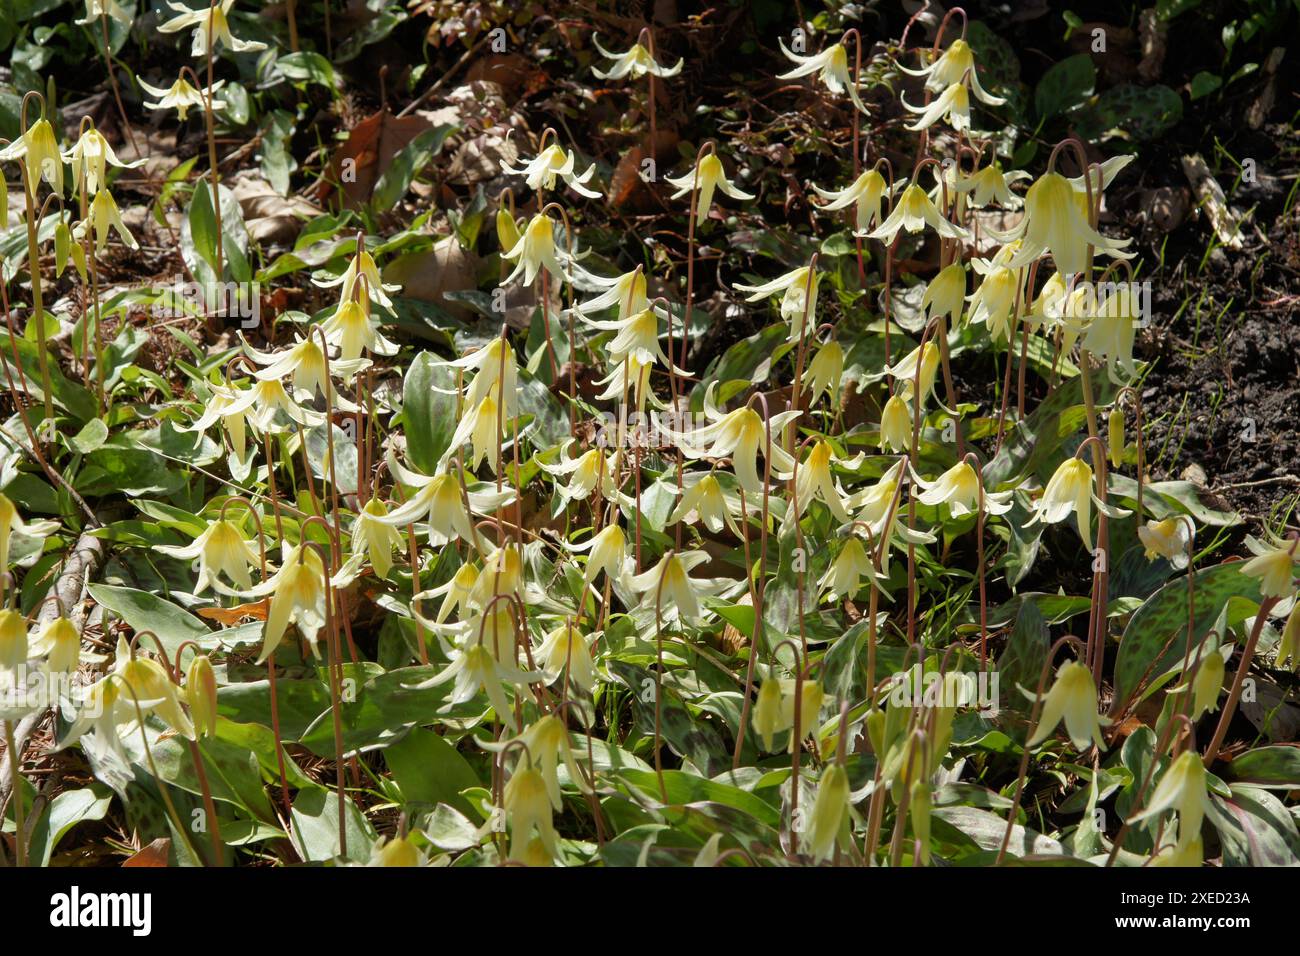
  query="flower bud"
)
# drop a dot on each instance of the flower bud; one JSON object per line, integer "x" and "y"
{"x": 201, "y": 695}
{"x": 1115, "y": 436}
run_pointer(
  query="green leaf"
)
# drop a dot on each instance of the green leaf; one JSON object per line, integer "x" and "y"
{"x": 316, "y": 826}
{"x": 148, "y": 612}
{"x": 1156, "y": 636}
{"x": 1065, "y": 85}
{"x": 428, "y": 410}
{"x": 396, "y": 180}
{"x": 1274, "y": 768}
{"x": 1203, "y": 84}
{"x": 430, "y": 770}
{"x": 91, "y": 437}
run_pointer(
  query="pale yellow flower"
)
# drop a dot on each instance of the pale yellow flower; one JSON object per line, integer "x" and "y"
{"x": 635, "y": 62}
{"x": 1072, "y": 697}
{"x": 707, "y": 176}
{"x": 221, "y": 549}
{"x": 180, "y": 96}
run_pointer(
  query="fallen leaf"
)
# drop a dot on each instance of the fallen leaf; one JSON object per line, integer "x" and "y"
{"x": 370, "y": 146}
{"x": 230, "y": 616}
{"x": 155, "y": 854}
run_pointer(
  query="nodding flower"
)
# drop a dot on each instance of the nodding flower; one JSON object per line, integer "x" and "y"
{"x": 554, "y": 161}
{"x": 298, "y": 593}
{"x": 1181, "y": 788}
{"x": 945, "y": 294}
{"x": 669, "y": 585}
{"x": 528, "y": 807}
{"x": 1072, "y": 698}
{"x": 1274, "y": 565}
{"x": 740, "y": 434}
{"x": 39, "y": 151}
{"x": 608, "y": 553}
{"x": 708, "y": 176}
{"x": 353, "y": 332}
{"x": 90, "y": 158}
{"x": 989, "y": 185}
{"x": 536, "y": 250}
{"x": 362, "y": 266}
{"x": 11, "y": 521}
{"x": 824, "y": 372}
{"x": 378, "y": 538}
{"x": 959, "y": 489}
{"x": 831, "y": 66}
{"x": 212, "y": 20}
{"x": 829, "y": 822}
{"x": 180, "y": 96}
{"x": 913, "y": 212}
{"x": 955, "y": 65}
{"x": 104, "y": 216}
{"x": 221, "y": 549}
{"x": 99, "y": 8}
{"x": 1055, "y": 223}
{"x": 866, "y": 194}
{"x": 1068, "y": 491}
{"x": 635, "y": 61}
{"x": 953, "y": 103}
{"x": 440, "y": 500}
{"x": 1168, "y": 539}
{"x": 799, "y": 290}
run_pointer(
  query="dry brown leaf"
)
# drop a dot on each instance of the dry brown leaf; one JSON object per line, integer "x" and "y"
{"x": 371, "y": 144}
{"x": 427, "y": 275}
{"x": 230, "y": 616}
{"x": 155, "y": 854}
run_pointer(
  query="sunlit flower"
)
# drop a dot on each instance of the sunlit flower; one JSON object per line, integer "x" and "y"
{"x": 913, "y": 212}
{"x": 1113, "y": 328}
{"x": 953, "y": 103}
{"x": 1068, "y": 491}
{"x": 608, "y": 553}
{"x": 377, "y": 537}
{"x": 475, "y": 668}
{"x": 629, "y": 375}
{"x": 479, "y": 427}
{"x": 92, "y": 155}
{"x": 134, "y": 681}
{"x": 455, "y": 594}
{"x": 497, "y": 375}
{"x": 708, "y": 175}
{"x": 627, "y": 291}
{"x": 905, "y": 372}
{"x": 204, "y": 21}
{"x": 740, "y": 434}
{"x": 180, "y": 96}
{"x": 704, "y": 501}
{"x": 866, "y": 194}
{"x": 536, "y": 250}
{"x": 304, "y": 365}
{"x": 811, "y": 697}
{"x": 669, "y": 585}
{"x": 566, "y": 648}
{"x": 97, "y": 8}
{"x": 554, "y": 161}
{"x": 1072, "y": 697}
{"x": 637, "y": 336}
{"x": 959, "y": 489}
{"x": 440, "y": 500}
{"x": 361, "y": 267}
{"x": 589, "y": 472}
{"x": 955, "y": 65}
{"x": 636, "y": 61}
{"x": 221, "y": 549}
{"x": 1168, "y": 539}
{"x": 298, "y": 594}
{"x": 353, "y": 332}
{"x": 261, "y": 402}
{"x": 60, "y": 644}
{"x": 39, "y": 151}
{"x": 1054, "y": 223}
{"x": 997, "y": 295}
{"x": 1185, "y": 852}
{"x": 218, "y": 407}
{"x": 814, "y": 480}
{"x": 799, "y": 288}
{"x": 845, "y": 575}
{"x": 989, "y": 185}
{"x": 832, "y": 67}
{"x": 1206, "y": 683}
